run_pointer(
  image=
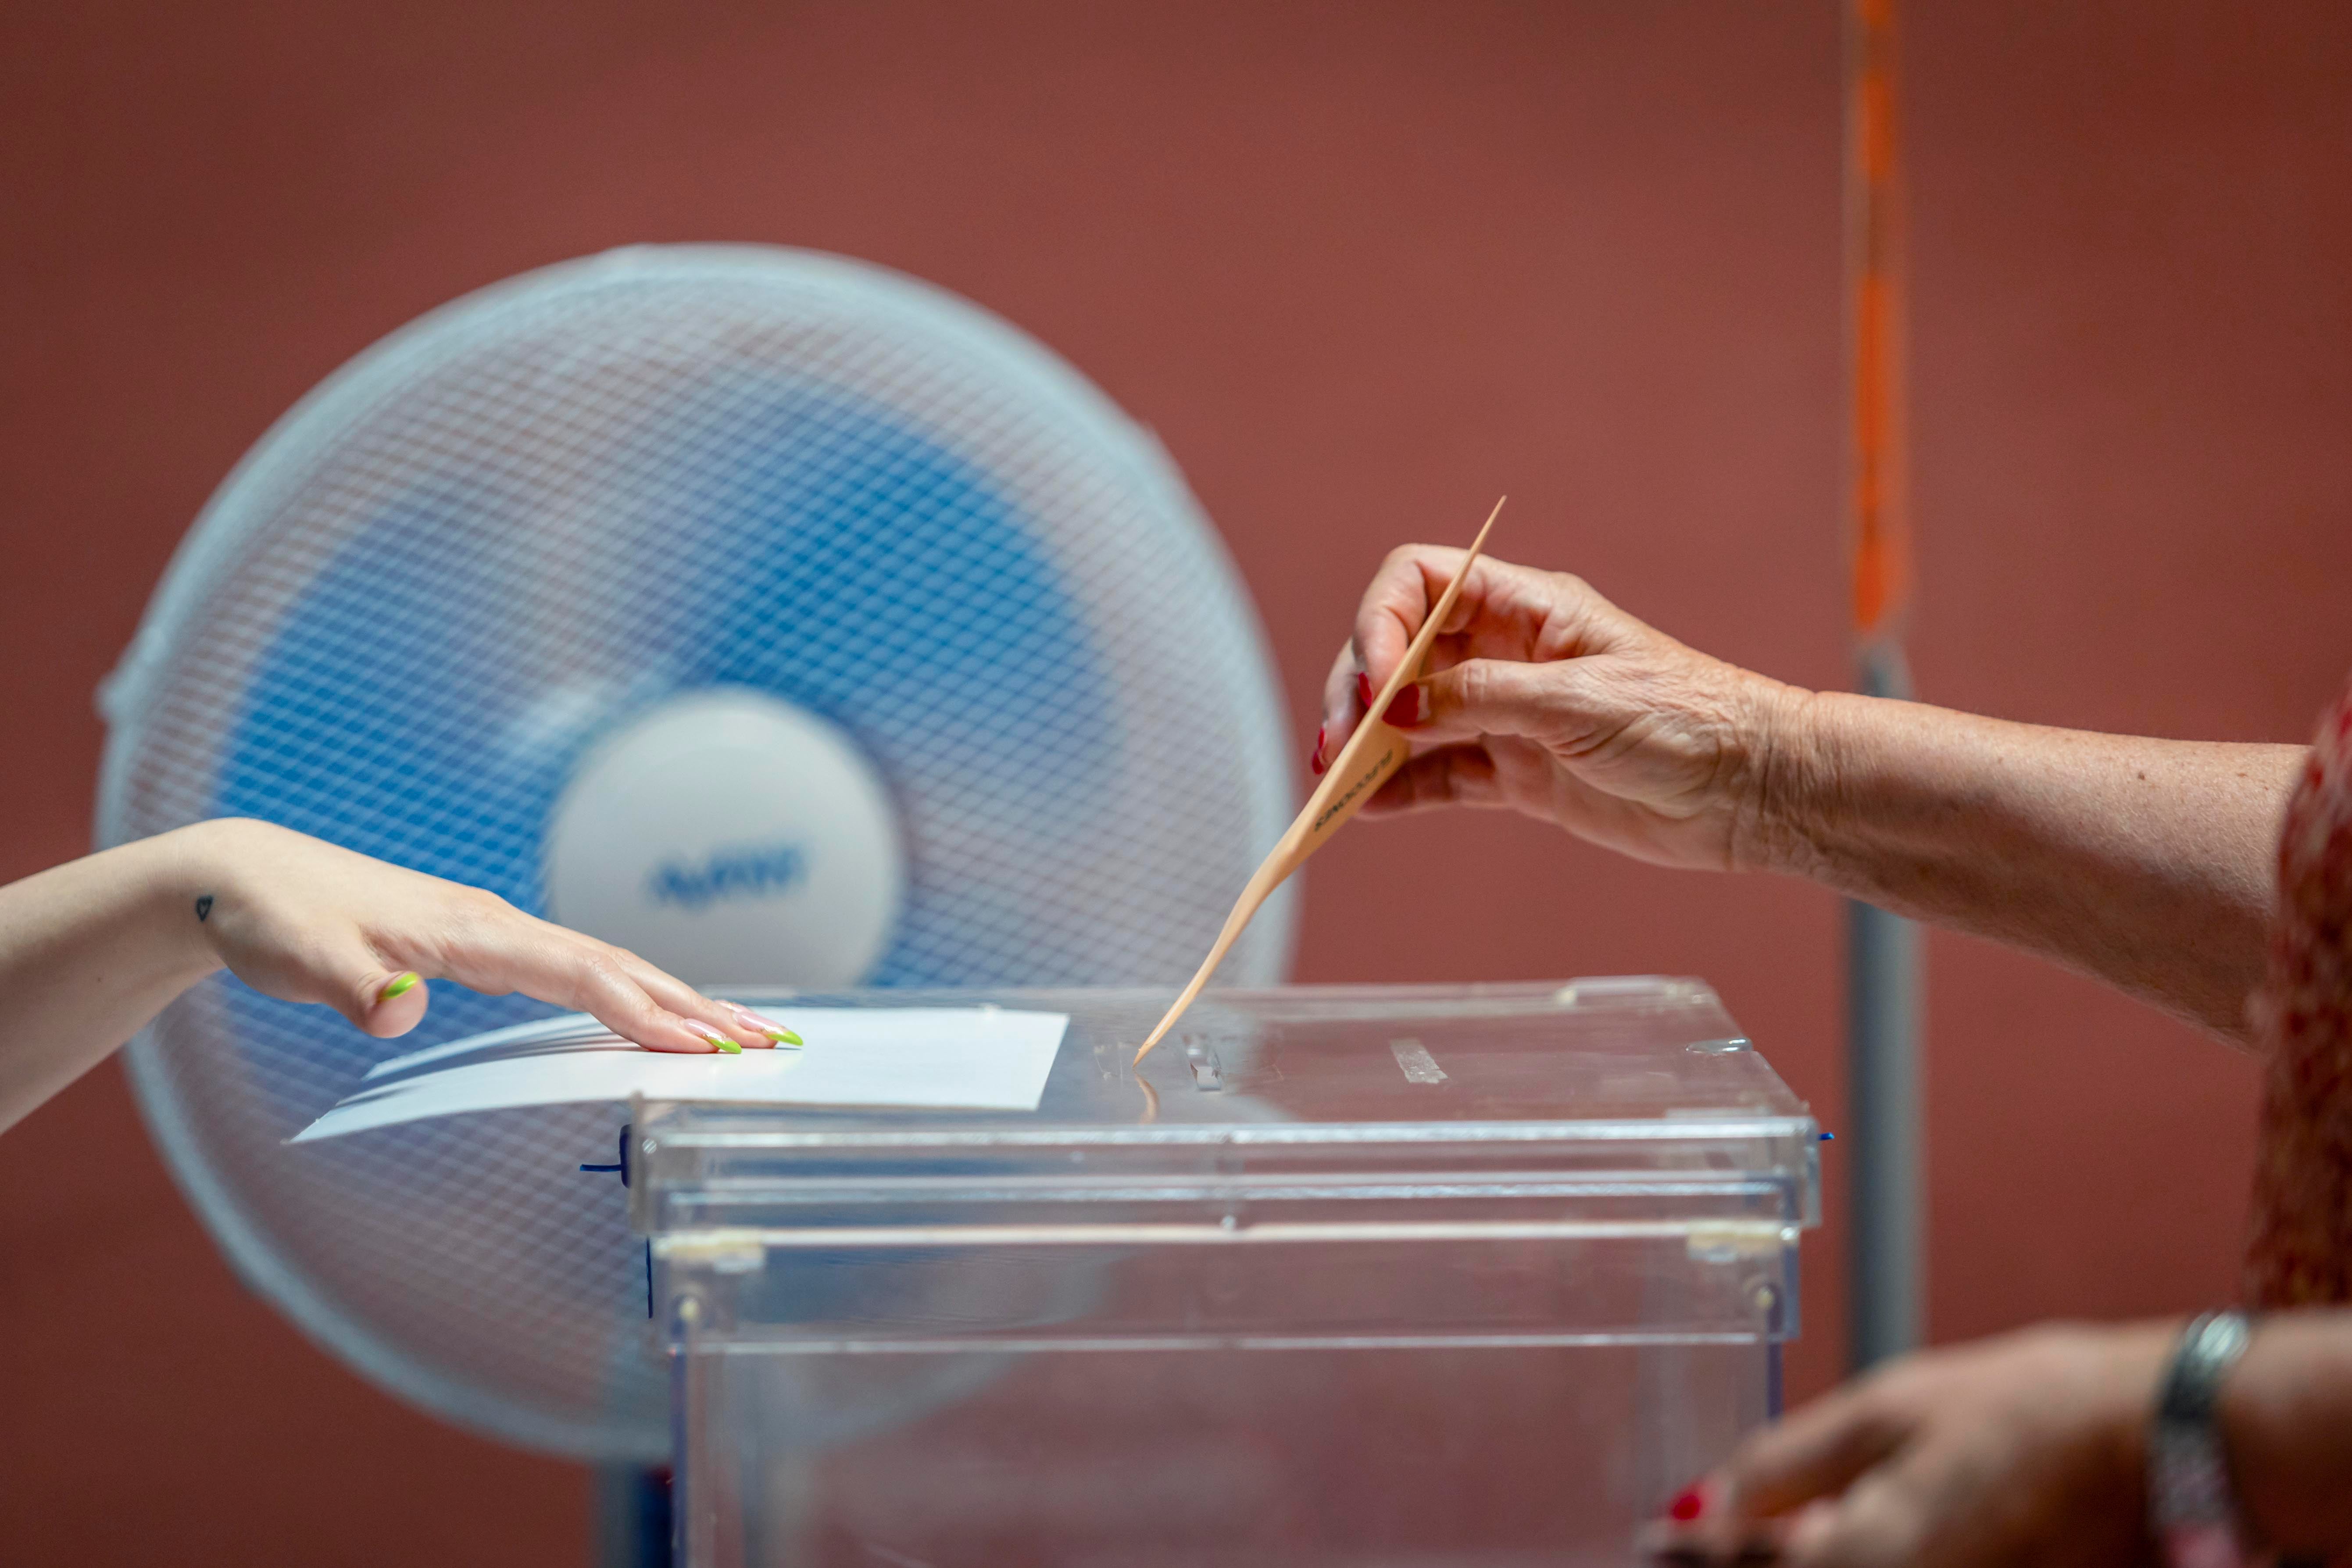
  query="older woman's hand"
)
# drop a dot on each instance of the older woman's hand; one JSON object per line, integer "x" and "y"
{"x": 2023, "y": 1449}
{"x": 2145, "y": 862}
{"x": 1542, "y": 696}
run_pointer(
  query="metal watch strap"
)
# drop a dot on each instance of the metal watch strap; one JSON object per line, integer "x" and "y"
{"x": 2192, "y": 1507}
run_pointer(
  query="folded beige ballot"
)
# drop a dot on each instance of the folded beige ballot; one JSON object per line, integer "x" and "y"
{"x": 1372, "y": 754}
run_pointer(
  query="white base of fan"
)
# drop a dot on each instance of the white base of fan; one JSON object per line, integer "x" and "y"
{"x": 729, "y": 836}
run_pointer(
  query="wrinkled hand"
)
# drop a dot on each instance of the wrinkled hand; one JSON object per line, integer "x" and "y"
{"x": 2029, "y": 1448}
{"x": 1541, "y": 696}
{"x": 307, "y": 922}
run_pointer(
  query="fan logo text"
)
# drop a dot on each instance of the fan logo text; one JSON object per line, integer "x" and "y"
{"x": 726, "y": 875}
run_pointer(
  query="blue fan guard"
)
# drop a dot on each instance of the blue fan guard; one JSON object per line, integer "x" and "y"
{"x": 532, "y": 515}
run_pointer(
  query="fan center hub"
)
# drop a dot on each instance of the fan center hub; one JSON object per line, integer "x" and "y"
{"x": 729, "y": 836}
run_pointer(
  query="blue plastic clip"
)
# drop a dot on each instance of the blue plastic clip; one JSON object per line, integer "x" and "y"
{"x": 624, "y": 1166}
{"x": 623, "y": 1169}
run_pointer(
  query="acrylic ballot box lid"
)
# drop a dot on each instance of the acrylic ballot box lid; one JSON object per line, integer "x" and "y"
{"x": 1597, "y": 1161}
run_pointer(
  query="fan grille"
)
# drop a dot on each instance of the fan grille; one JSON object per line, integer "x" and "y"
{"x": 524, "y": 520}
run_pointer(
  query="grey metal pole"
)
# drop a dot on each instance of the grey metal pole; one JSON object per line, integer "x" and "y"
{"x": 1886, "y": 1146}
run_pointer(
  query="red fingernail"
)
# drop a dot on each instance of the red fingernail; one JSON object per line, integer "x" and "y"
{"x": 1404, "y": 708}
{"x": 1315, "y": 758}
{"x": 1689, "y": 1504}
{"x": 1363, "y": 690}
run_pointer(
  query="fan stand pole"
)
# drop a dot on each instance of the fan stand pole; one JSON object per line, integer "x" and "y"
{"x": 1884, "y": 956}
{"x": 632, "y": 1517}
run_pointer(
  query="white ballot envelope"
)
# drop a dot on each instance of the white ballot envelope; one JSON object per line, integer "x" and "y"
{"x": 932, "y": 1059}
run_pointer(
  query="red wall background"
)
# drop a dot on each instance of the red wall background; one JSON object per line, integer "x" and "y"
{"x": 1362, "y": 266}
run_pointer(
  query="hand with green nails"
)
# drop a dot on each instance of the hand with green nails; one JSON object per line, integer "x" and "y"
{"x": 91, "y": 950}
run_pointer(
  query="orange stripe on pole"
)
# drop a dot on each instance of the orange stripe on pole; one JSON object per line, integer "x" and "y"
{"x": 1879, "y": 522}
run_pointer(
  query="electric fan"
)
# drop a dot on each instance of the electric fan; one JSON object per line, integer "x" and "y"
{"x": 785, "y": 619}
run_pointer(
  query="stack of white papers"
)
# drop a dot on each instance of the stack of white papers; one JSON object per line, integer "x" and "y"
{"x": 975, "y": 1059}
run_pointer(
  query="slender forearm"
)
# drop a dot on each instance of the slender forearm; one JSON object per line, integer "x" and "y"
{"x": 2149, "y": 864}
{"x": 89, "y": 952}
{"x": 2286, "y": 1424}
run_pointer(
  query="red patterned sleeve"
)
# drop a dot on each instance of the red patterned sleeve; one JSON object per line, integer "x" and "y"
{"x": 2299, "y": 1252}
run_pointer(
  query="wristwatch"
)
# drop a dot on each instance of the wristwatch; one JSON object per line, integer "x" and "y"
{"x": 2192, "y": 1511}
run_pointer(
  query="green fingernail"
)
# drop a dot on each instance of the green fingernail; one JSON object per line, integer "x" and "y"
{"x": 398, "y": 985}
{"x": 728, "y": 1047}
{"x": 785, "y": 1038}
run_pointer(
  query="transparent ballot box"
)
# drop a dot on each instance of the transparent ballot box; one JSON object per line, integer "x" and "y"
{"x": 1399, "y": 1274}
